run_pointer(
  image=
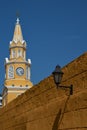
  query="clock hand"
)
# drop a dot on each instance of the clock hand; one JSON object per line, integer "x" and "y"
{"x": 19, "y": 71}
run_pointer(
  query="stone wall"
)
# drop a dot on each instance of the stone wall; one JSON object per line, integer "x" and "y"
{"x": 44, "y": 107}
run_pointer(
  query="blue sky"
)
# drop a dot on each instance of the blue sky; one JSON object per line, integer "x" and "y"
{"x": 55, "y": 32}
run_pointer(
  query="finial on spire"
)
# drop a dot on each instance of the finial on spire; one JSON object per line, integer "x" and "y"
{"x": 17, "y": 21}
{"x": 17, "y": 18}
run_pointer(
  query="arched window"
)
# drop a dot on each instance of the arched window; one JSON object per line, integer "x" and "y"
{"x": 19, "y": 53}
{"x": 13, "y": 53}
{"x": 28, "y": 72}
{"x": 10, "y": 72}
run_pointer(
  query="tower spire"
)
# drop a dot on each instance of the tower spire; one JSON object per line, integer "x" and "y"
{"x": 18, "y": 32}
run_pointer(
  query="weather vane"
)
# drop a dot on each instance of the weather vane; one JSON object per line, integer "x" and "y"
{"x": 17, "y": 14}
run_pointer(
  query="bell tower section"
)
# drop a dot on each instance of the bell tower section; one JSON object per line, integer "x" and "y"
{"x": 17, "y": 68}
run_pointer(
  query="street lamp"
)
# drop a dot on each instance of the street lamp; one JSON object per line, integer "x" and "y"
{"x": 58, "y": 74}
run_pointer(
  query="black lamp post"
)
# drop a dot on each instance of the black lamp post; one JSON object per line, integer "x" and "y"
{"x": 58, "y": 74}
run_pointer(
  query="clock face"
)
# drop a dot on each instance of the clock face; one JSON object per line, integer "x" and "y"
{"x": 20, "y": 71}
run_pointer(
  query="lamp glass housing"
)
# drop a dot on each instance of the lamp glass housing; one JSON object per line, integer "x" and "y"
{"x": 57, "y": 74}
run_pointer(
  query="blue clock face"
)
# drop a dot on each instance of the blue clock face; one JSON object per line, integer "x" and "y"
{"x": 20, "y": 71}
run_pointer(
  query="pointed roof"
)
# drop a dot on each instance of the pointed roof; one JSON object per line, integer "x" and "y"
{"x": 18, "y": 32}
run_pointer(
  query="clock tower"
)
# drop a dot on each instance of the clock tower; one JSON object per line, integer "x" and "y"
{"x": 17, "y": 68}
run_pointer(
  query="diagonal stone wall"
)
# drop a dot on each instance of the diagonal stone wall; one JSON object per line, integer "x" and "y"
{"x": 44, "y": 107}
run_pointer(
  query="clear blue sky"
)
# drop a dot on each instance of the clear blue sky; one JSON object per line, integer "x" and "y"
{"x": 55, "y": 32}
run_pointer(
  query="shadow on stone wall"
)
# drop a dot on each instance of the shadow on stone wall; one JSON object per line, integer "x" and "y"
{"x": 56, "y": 122}
{"x": 60, "y": 115}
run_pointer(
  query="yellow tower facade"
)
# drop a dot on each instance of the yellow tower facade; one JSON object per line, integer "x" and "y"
{"x": 17, "y": 68}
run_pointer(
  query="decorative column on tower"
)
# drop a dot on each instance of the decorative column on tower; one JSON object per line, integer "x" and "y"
{"x": 17, "y": 69}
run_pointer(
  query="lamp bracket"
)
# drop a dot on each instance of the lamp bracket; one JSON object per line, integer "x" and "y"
{"x": 70, "y": 87}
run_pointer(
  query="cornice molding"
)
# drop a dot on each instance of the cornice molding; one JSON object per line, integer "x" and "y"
{"x": 17, "y": 62}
